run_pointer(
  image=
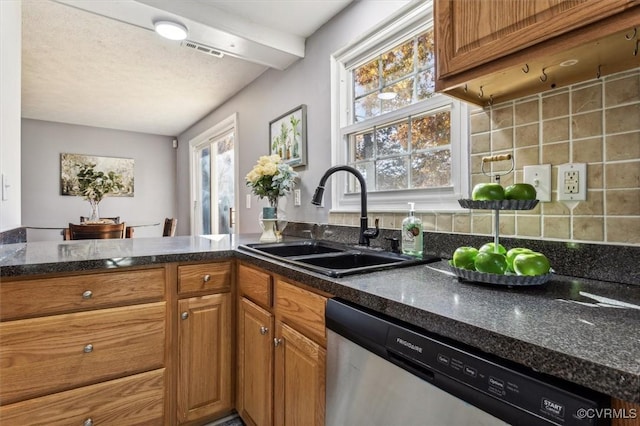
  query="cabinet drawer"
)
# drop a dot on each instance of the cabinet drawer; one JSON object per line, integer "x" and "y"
{"x": 207, "y": 276}
{"x": 256, "y": 286}
{"x": 50, "y": 354}
{"x": 133, "y": 400}
{"x": 301, "y": 309}
{"x": 24, "y": 299}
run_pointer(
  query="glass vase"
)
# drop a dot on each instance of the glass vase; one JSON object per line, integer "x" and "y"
{"x": 268, "y": 224}
{"x": 273, "y": 221}
{"x": 94, "y": 216}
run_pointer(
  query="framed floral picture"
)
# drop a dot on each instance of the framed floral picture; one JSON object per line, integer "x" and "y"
{"x": 72, "y": 164}
{"x": 288, "y": 136}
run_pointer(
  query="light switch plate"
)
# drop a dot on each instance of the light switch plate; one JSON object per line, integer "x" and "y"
{"x": 540, "y": 178}
{"x": 572, "y": 182}
{"x": 248, "y": 201}
{"x": 296, "y": 198}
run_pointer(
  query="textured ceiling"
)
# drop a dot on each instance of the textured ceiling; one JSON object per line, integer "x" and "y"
{"x": 82, "y": 68}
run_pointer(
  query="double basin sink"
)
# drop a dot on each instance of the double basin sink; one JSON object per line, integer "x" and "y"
{"x": 333, "y": 259}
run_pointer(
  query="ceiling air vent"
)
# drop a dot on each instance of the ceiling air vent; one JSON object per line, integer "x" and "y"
{"x": 202, "y": 48}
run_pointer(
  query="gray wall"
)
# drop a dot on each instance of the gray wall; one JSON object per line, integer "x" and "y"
{"x": 307, "y": 81}
{"x": 42, "y": 204}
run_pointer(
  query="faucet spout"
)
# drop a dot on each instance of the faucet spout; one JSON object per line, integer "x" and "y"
{"x": 365, "y": 233}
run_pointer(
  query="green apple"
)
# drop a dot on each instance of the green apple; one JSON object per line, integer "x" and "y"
{"x": 511, "y": 254}
{"x": 487, "y": 191}
{"x": 531, "y": 264}
{"x": 520, "y": 191}
{"x": 492, "y": 263}
{"x": 464, "y": 257}
{"x": 491, "y": 248}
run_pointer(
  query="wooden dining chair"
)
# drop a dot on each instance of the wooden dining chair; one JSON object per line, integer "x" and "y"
{"x": 96, "y": 231}
{"x": 169, "y": 229}
{"x": 116, "y": 219}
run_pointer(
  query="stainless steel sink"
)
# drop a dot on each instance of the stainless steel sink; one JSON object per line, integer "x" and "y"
{"x": 333, "y": 259}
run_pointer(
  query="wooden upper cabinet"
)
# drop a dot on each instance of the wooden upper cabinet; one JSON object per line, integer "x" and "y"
{"x": 477, "y": 38}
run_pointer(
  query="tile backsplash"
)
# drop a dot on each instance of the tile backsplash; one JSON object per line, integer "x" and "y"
{"x": 596, "y": 122}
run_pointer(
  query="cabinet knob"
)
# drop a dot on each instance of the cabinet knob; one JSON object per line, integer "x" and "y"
{"x": 206, "y": 278}
{"x": 264, "y": 330}
{"x": 88, "y": 348}
{"x": 276, "y": 342}
{"x": 184, "y": 315}
{"x": 87, "y": 294}
{"x": 88, "y": 422}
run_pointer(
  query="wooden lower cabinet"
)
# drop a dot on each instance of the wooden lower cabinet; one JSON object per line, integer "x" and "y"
{"x": 281, "y": 351}
{"x": 132, "y": 400}
{"x": 204, "y": 357}
{"x": 255, "y": 363}
{"x": 85, "y": 348}
{"x": 300, "y": 365}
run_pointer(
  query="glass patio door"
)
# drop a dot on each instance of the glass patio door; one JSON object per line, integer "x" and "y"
{"x": 214, "y": 175}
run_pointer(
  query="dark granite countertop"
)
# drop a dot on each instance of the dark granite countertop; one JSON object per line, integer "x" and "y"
{"x": 584, "y": 331}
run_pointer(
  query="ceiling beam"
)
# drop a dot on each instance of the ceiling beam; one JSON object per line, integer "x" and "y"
{"x": 207, "y": 25}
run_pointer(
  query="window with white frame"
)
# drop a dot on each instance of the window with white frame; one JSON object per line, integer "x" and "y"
{"x": 408, "y": 142}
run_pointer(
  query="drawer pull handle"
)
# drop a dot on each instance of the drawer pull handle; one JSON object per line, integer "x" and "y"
{"x": 276, "y": 342}
{"x": 184, "y": 315}
{"x": 88, "y": 348}
{"x": 87, "y": 294}
{"x": 206, "y": 278}
{"x": 264, "y": 330}
{"x": 88, "y": 422}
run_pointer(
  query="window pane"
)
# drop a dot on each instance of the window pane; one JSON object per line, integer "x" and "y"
{"x": 205, "y": 189}
{"x": 431, "y": 131}
{"x": 392, "y": 139}
{"x": 398, "y": 62}
{"x": 367, "y": 107}
{"x": 366, "y": 169}
{"x": 361, "y": 147}
{"x": 366, "y": 78}
{"x": 426, "y": 56}
{"x": 404, "y": 94}
{"x": 426, "y": 85}
{"x": 431, "y": 169}
{"x": 392, "y": 173}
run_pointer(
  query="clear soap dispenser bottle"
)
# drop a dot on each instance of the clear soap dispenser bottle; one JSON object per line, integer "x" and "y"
{"x": 412, "y": 234}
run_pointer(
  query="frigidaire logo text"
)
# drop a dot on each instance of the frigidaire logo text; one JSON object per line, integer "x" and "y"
{"x": 552, "y": 407}
{"x": 409, "y": 345}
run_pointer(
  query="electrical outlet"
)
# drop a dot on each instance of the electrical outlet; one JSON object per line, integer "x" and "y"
{"x": 540, "y": 178}
{"x": 572, "y": 182}
{"x": 296, "y": 197}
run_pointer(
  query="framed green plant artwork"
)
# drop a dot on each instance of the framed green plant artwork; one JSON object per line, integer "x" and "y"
{"x": 288, "y": 136}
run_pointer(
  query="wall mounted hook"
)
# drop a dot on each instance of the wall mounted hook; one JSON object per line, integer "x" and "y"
{"x": 633, "y": 34}
{"x": 544, "y": 76}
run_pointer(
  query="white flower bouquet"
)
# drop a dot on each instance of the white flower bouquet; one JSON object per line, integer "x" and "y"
{"x": 270, "y": 178}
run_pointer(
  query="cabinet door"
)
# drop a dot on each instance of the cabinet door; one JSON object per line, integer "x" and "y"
{"x": 255, "y": 364}
{"x": 470, "y": 32}
{"x": 204, "y": 357}
{"x": 299, "y": 379}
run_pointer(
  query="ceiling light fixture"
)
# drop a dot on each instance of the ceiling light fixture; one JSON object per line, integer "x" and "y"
{"x": 171, "y": 30}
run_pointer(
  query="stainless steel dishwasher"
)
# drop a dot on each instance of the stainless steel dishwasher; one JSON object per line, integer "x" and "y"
{"x": 381, "y": 372}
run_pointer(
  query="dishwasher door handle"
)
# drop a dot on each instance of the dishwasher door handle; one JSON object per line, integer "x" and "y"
{"x": 411, "y": 366}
